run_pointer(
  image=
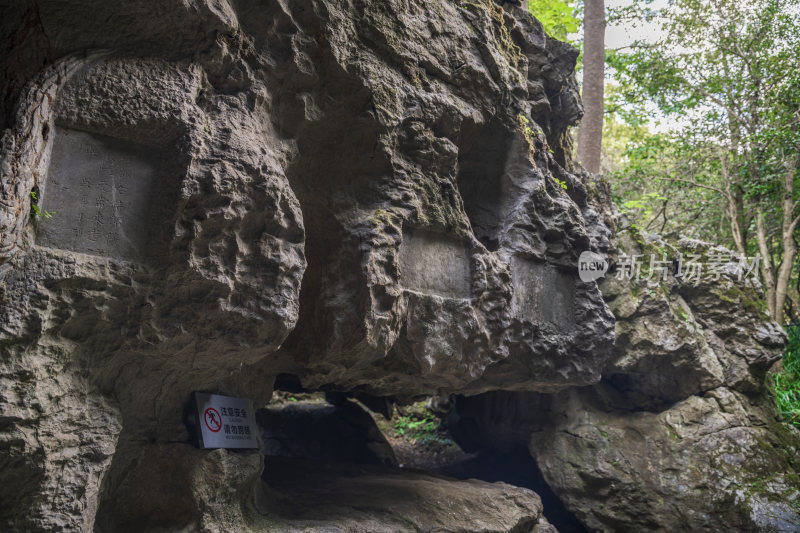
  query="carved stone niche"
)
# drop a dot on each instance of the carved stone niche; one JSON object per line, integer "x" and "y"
{"x": 104, "y": 193}
{"x": 542, "y": 293}
{"x": 434, "y": 263}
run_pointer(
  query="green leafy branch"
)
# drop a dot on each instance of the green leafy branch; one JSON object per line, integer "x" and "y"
{"x": 559, "y": 17}
{"x": 37, "y": 210}
{"x": 422, "y": 428}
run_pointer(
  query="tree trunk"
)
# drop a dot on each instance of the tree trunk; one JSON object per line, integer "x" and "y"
{"x": 766, "y": 262}
{"x": 788, "y": 227}
{"x": 590, "y": 135}
{"x": 732, "y": 207}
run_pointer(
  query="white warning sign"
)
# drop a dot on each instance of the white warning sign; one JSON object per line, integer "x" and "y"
{"x": 225, "y": 422}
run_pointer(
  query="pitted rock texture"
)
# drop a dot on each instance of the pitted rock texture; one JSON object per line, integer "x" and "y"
{"x": 236, "y": 185}
{"x": 408, "y": 287}
{"x": 682, "y": 434}
{"x": 676, "y": 338}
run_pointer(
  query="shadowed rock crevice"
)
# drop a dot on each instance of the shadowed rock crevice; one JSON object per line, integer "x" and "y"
{"x": 517, "y": 468}
{"x": 482, "y": 155}
{"x": 343, "y": 433}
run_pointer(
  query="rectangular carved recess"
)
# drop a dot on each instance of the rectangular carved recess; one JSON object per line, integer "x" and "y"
{"x": 103, "y": 191}
{"x": 434, "y": 263}
{"x": 542, "y": 293}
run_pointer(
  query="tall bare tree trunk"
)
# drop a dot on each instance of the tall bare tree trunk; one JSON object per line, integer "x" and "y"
{"x": 732, "y": 207}
{"x": 590, "y": 135}
{"x": 766, "y": 261}
{"x": 788, "y": 227}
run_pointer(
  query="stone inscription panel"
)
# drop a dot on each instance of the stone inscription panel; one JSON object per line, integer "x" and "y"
{"x": 433, "y": 263}
{"x": 542, "y": 293}
{"x": 101, "y": 190}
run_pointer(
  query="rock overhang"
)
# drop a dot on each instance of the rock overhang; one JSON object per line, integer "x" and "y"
{"x": 343, "y": 192}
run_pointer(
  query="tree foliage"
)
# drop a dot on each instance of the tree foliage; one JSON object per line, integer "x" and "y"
{"x": 559, "y": 17}
{"x": 725, "y": 74}
{"x": 787, "y": 380}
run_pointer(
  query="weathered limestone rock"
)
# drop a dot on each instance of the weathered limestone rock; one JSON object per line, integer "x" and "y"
{"x": 367, "y": 195}
{"x": 717, "y": 458}
{"x": 682, "y": 433}
{"x": 409, "y": 285}
{"x": 128, "y": 315}
{"x": 678, "y": 338}
{"x": 306, "y": 496}
{"x": 176, "y": 487}
{"x": 375, "y": 197}
{"x": 718, "y": 461}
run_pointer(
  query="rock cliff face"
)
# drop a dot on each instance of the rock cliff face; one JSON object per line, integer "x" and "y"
{"x": 371, "y": 196}
{"x": 375, "y": 198}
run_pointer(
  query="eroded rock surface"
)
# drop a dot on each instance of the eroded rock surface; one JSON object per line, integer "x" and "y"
{"x": 367, "y": 195}
{"x": 682, "y": 433}
{"x": 718, "y": 461}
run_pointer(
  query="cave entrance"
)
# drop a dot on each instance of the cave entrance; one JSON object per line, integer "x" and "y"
{"x": 314, "y": 437}
{"x": 357, "y": 429}
{"x": 516, "y": 467}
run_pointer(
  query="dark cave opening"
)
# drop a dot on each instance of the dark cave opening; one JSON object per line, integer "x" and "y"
{"x": 288, "y": 383}
{"x": 517, "y": 467}
{"x": 314, "y": 431}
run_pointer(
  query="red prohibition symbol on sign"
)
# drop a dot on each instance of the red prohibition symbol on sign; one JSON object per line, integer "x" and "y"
{"x": 212, "y": 419}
